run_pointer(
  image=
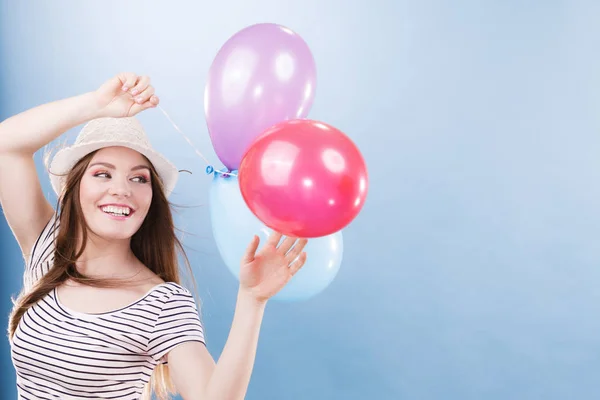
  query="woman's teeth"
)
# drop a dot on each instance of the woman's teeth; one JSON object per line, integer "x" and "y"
{"x": 117, "y": 211}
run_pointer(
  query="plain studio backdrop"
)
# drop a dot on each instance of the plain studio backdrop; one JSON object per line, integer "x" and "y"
{"x": 472, "y": 271}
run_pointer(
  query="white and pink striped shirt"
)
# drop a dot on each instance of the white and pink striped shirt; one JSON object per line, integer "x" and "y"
{"x": 62, "y": 354}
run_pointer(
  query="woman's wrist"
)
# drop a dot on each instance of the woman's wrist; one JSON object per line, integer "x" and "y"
{"x": 247, "y": 299}
{"x": 93, "y": 105}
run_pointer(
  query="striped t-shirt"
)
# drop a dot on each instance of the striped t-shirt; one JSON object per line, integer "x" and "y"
{"x": 62, "y": 354}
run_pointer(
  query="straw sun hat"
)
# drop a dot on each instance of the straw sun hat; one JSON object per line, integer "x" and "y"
{"x": 106, "y": 132}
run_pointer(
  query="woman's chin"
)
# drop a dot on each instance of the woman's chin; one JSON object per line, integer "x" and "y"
{"x": 114, "y": 234}
{"x": 110, "y": 229}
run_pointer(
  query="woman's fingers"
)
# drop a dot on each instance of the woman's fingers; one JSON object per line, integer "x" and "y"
{"x": 297, "y": 264}
{"x": 145, "y": 95}
{"x": 250, "y": 252}
{"x": 137, "y": 108}
{"x": 274, "y": 239}
{"x": 128, "y": 79}
{"x": 286, "y": 245}
{"x": 143, "y": 83}
{"x": 296, "y": 250}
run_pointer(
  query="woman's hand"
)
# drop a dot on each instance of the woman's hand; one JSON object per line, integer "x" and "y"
{"x": 125, "y": 95}
{"x": 265, "y": 273}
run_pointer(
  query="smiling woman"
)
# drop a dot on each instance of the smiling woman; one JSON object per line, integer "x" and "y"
{"x": 116, "y": 192}
{"x": 102, "y": 310}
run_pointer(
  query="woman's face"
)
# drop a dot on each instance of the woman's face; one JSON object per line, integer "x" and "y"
{"x": 116, "y": 193}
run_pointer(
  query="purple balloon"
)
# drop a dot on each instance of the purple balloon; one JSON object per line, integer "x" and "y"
{"x": 263, "y": 75}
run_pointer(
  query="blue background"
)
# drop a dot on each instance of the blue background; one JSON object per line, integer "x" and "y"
{"x": 473, "y": 270}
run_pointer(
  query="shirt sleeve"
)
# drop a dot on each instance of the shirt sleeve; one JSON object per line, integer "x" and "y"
{"x": 41, "y": 257}
{"x": 178, "y": 322}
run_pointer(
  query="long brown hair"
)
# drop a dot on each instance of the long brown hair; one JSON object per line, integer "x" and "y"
{"x": 154, "y": 244}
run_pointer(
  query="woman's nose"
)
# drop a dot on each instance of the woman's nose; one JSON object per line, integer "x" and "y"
{"x": 120, "y": 188}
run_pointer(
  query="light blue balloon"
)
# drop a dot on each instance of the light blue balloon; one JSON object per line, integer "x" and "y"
{"x": 234, "y": 225}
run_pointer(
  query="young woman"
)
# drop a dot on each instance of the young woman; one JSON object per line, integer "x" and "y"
{"x": 102, "y": 313}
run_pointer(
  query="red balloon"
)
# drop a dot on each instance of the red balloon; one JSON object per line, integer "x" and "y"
{"x": 304, "y": 178}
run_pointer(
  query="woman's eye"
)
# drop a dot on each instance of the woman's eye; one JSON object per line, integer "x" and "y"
{"x": 106, "y": 175}
{"x": 140, "y": 179}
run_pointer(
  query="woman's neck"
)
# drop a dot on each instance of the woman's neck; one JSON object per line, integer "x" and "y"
{"x": 108, "y": 259}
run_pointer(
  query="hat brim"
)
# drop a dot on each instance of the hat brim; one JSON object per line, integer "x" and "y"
{"x": 66, "y": 158}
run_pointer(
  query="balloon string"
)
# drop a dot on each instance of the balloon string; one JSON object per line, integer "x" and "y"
{"x": 209, "y": 168}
